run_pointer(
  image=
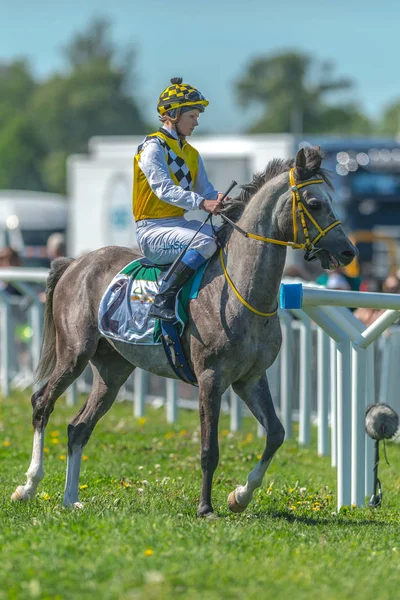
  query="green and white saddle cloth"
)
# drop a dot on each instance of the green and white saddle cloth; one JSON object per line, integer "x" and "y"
{"x": 123, "y": 312}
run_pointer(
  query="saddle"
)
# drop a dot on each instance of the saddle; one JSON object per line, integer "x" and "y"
{"x": 123, "y": 312}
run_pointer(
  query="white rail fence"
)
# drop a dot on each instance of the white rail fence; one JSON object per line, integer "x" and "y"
{"x": 327, "y": 372}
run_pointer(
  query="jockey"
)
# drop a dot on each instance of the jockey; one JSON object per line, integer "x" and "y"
{"x": 169, "y": 180}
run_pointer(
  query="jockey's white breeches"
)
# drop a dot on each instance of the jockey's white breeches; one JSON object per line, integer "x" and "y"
{"x": 162, "y": 240}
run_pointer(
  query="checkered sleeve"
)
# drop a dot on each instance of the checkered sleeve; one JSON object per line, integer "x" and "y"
{"x": 202, "y": 185}
{"x": 154, "y": 165}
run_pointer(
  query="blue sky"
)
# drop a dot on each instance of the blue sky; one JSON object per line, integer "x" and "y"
{"x": 210, "y": 42}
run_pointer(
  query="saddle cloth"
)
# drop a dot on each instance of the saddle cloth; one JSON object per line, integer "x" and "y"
{"x": 123, "y": 312}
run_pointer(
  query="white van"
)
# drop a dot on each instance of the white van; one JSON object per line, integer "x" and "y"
{"x": 27, "y": 219}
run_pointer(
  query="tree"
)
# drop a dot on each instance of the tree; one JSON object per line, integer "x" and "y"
{"x": 292, "y": 90}
{"x": 21, "y": 153}
{"x": 16, "y": 85}
{"x": 92, "y": 98}
{"x": 390, "y": 124}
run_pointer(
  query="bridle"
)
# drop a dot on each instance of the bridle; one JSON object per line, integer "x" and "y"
{"x": 309, "y": 246}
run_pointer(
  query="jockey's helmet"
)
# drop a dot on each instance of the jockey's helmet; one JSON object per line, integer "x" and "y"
{"x": 180, "y": 95}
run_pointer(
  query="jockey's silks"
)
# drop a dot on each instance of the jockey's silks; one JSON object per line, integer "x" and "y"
{"x": 183, "y": 166}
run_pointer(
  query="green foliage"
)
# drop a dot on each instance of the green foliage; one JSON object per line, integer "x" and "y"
{"x": 391, "y": 119}
{"x": 21, "y": 153}
{"x": 16, "y": 85}
{"x": 291, "y": 89}
{"x": 93, "y": 96}
{"x": 138, "y": 535}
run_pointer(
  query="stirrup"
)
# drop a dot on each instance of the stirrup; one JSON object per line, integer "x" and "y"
{"x": 164, "y": 314}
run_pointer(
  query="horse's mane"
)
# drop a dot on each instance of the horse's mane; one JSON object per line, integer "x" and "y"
{"x": 275, "y": 167}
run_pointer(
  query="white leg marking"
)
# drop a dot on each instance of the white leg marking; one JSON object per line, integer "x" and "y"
{"x": 244, "y": 493}
{"x": 72, "y": 479}
{"x": 35, "y": 472}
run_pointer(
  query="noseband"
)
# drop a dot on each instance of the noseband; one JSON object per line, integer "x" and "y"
{"x": 309, "y": 246}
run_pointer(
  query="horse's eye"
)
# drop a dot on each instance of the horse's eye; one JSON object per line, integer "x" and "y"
{"x": 314, "y": 203}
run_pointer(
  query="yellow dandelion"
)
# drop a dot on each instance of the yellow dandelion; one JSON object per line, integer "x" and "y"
{"x": 55, "y": 441}
{"x": 169, "y": 435}
{"x": 225, "y": 432}
{"x": 293, "y": 507}
{"x": 6, "y": 443}
{"x": 259, "y": 456}
{"x": 45, "y": 449}
{"x": 291, "y": 490}
{"x": 84, "y": 457}
{"x": 46, "y": 497}
{"x": 83, "y": 487}
{"x": 142, "y": 421}
{"x": 183, "y": 432}
{"x": 62, "y": 457}
{"x": 249, "y": 437}
{"x": 54, "y": 434}
{"x": 316, "y": 508}
{"x": 148, "y": 552}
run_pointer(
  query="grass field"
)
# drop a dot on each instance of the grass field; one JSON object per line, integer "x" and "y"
{"x": 138, "y": 535}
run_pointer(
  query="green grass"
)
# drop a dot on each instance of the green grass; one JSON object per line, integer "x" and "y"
{"x": 138, "y": 535}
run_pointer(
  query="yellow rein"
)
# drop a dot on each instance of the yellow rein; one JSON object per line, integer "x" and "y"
{"x": 307, "y": 246}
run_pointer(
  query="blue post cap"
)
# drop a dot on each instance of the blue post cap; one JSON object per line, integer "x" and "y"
{"x": 291, "y": 295}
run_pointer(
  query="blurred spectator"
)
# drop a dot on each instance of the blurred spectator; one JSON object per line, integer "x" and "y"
{"x": 391, "y": 285}
{"x": 9, "y": 258}
{"x": 337, "y": 281}
{"x": 56, "y": 246}
{"x": 297, "y": 272}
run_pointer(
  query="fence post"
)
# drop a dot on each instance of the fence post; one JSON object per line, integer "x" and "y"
{"x": 358, "y": 392}
{"x": 286, "y": 379}
{"x": 172, "y": 400}
{"x": 236, "y": 411}
{"x": 323, "y": 349}
{"x": 139, "y": 393}
{"x": 305, "y": 380}
{"x": 71, "y": 396}
{"x": 343, "y": 424}
{"x": 333, "y": 398}
{"x": 6, "y": 341}
{"x": 370, "y": 398}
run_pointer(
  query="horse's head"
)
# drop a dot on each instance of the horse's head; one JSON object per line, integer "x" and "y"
{"x": 312, "y": 219}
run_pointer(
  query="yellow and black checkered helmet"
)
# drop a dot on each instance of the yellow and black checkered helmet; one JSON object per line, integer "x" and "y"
{"x": 179, "y": 95}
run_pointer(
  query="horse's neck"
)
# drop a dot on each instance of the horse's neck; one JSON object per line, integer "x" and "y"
{"x": 256, "y": 267}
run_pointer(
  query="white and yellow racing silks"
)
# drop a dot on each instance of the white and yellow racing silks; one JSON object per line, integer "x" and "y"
{"x": 169, "y": 177}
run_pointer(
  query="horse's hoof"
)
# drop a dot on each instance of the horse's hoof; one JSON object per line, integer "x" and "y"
{"x": 20, "y": 495}
{"x": 205, "y": 510}
{"x": 233, "y": 504}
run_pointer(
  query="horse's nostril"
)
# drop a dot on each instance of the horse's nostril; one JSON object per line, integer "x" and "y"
{"x": 349, "y": 253}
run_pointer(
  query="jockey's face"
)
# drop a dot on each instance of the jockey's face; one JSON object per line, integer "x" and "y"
{"x": 188, "y": 121}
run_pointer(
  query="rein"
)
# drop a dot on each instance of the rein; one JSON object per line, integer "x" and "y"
{"x": 309, "y": 246}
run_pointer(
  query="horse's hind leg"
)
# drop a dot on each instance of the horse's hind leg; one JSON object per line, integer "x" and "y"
{"x": 110, "y": 371}
{"x": 258, "y": 398}
{"x": 68, "y": 368}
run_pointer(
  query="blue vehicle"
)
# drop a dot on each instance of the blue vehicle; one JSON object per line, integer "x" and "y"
{"x": 366, "y": 176}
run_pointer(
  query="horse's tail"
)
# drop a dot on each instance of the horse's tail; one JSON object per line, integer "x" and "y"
{"x": 48, "y": 356}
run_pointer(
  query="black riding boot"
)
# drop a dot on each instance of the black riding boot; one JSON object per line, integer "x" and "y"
{"x": 164, "y": 302}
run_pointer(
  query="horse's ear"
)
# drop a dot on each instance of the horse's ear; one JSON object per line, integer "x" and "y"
{"x": 301, "y": 165}
{"x": 301, "y": 159}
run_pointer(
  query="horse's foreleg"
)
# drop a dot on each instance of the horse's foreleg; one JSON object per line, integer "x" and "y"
{"x": 110, "y": 371}
{"x": 210, "y": 403}
{"x": 258, "y": 398}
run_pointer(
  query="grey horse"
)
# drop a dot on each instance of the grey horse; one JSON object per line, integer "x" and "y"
{"x": 233, "y": 334}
